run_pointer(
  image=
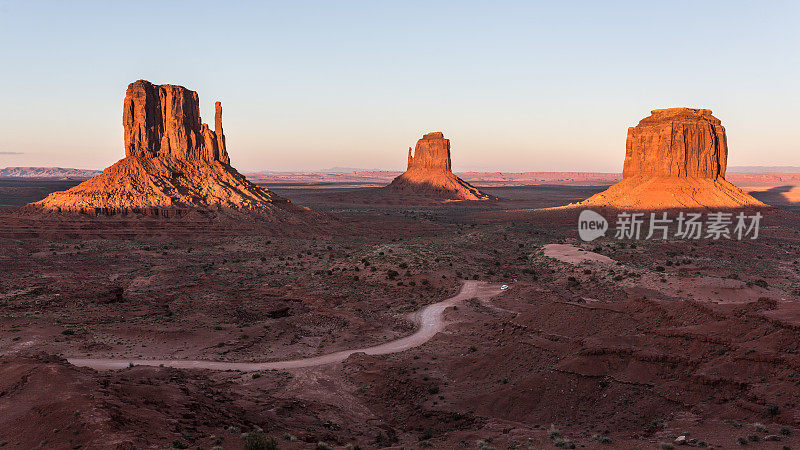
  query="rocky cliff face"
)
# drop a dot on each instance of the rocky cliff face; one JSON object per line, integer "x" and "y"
{"x": 431, "y": 153}
{"x": 173, "y": 163}
{"x": 429, "y": 173}
{"x": 677, "y": 142}
{"x": 164, "y": 121}
{"x": 674, "y": 158}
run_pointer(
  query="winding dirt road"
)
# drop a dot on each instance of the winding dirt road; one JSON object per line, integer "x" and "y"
{"x": 429, "y": 319}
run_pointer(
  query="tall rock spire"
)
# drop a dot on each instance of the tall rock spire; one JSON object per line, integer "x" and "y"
{"x": 222, "y": 152}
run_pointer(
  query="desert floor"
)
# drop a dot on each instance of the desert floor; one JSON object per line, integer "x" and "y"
{"x": 608, "y": 344}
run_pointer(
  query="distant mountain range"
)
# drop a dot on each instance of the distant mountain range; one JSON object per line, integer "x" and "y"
{"x": 47, "y": 172}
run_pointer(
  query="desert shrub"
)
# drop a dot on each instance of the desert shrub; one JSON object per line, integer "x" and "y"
{"x": 427, "y": 434}
{"x": 665, "y": 446}
{"x": 553, "y": 432}
{"x": 601, "y": 439}
{"x": 323, "y": 446}
{"x": 433, "y": 389}
{"x": 785, "y": 431}
{"x": 177, "y": 443}
{"x": 257, "y": 440}
{"x": 563, "y": 443}
{"x": 760, "y": 427}
{"x": 484, "y": 445}
{"x": 773, "y": 410}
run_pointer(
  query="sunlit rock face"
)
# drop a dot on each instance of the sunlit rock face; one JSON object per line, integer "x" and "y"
{"x": 164, "y": 121}
{"x": 677, "y": 142}
{"x": 675, "y": 158}
{"x": 429, "y": 172}
{"x": 173, "y": 162}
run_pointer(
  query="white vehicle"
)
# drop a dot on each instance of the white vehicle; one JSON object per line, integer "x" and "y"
{"x": 504, "y": 287}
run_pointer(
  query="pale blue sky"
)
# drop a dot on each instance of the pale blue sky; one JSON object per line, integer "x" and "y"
{"x": 516, "y": 86}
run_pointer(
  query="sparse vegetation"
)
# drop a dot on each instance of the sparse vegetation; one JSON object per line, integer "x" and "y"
{"x": 257, "y": 440}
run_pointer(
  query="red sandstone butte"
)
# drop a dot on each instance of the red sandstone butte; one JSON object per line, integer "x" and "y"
{"x": 173, "y": 162}
{"x": 429, "y": 173}
{"x": 675, "y": 158}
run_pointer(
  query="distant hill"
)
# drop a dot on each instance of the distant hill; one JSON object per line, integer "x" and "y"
{"x": 763, "y": 169}
{"x": 47, "y": 172}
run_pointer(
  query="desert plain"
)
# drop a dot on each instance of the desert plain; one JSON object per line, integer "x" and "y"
{"x": 607, "y": 344}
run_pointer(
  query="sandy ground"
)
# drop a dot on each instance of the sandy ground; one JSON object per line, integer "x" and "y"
{"x": 572, "y": 254}
{"x": 428, "y": 319}
{"x": 662, "y": 339}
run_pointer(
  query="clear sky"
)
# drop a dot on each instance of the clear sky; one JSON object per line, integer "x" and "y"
{"x": 516, "y": 86}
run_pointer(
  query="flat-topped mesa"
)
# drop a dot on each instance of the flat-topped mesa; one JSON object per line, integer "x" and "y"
{"x": 677, "y": 142}
{"x": 429, "y": 173}
{"x": 431, "y": 153}
{"x": 674, "y": 158}
{"x": 163, "y": 121}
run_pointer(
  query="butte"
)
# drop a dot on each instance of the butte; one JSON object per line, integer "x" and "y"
{"x": 429, "y": 173}
{"x": 675, "y": 158}
{"x": 173, "y": 164}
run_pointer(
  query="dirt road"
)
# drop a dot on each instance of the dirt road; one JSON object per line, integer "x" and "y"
{"x": 429, "y": 319}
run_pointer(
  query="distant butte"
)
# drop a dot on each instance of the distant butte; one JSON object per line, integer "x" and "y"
{"x": 675, "y": 158}
{"x": 429, "y": 173}
{"x": 173, "y": 163}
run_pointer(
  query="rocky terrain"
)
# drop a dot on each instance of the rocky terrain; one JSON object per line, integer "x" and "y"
{"x": 173, "y": 163}
{"x": 675, "y": 158}
{"x": 629, "y": 344}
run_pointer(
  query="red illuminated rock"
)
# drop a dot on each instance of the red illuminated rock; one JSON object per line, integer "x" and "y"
{"x": 677, "y": 142}
{"x": 172, "y": 162}
{"x": 675, "y": 158}
{"x": 429, "y": 173}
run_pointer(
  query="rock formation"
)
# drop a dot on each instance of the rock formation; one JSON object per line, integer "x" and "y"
{"x": 429, "y": 173}
{"x": 675, "y": 158}
{"x": 677, "y": 142}
{"x": 173, "y": 162}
